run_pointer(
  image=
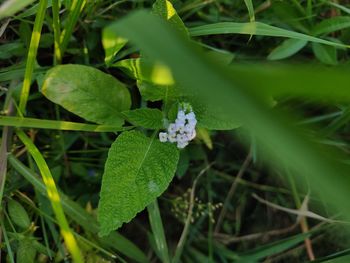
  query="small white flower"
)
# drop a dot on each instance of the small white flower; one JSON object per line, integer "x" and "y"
{"x": 172, "y": 128}
{"x": 190, "y": 116}
{"x": 192, "y": 122}
{"x": 182, "y": 145}
{"x": 189, "y": 128}
{"x": 163, "y": 136}
{"x": 181, "y": 115}
{"x": 181, "y": 138}
{"x": 192, "y": 135}
{"x": 180, "y": 122}
{"x": 172, "y": 137}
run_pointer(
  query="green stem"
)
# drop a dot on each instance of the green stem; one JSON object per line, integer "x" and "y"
{"x": 56, "y": 31}
{"x": 54, "y": 197}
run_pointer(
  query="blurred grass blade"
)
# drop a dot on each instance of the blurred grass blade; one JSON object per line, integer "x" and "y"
{"x": 249, "y": 5}
{"x": 54, "y": 197}
{"x": 255, "y": 28}
{"x": 259, "y": 254}
{"x": 281, "y": 143}
{"x": 33, "y": 49}
{"x": 331, "y": 25}
{"x": 158, "y": 231}
{"x": 307, "y": 81}
{"x": 57, "y": 125}
{"x": 74, "y": 12}
{"x": 7, "y": 242}
{"x": 82, "y": 217}
{"x": 10, "y": 7}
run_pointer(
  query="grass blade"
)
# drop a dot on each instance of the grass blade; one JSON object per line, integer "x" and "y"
{"x": 10, "y": 7}
{"x": 255, "y": 28}
{"x": 33, "y": 49}
{"x": 158, "y": 231}
{"x": 57, "y": 125}
{"x": 54, "y": 197}
{"x": 75, "y": 9}
{"x": 249, "y": 5}
{"x": 56, "y": 31}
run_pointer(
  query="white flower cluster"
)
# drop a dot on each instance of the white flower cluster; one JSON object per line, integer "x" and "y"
{"x": 182, "y": 130}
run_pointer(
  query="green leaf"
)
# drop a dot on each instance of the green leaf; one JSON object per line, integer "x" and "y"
{"x": 165, "y": 10}
{"x": 18, "y": 214}
{"x": 138, "y": 169}
{"x": 26, "y": 251}
{"x": 145, "y": 117}
{"x": 112, "y": 43}
{"x": 255, "y": 28}
{"x": 288, "y": 48}
{"x": 146, "y": 70}
{"x": 10, "y": 7}
{"x": 331, "y": 24}
{"x": 325, "y": 54}
{"x": 87, "y": 92}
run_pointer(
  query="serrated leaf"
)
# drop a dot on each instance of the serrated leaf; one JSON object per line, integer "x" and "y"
{"x": 112, "y": 43}
{"x": 138, "y": 169}
{"x": 18, "y": 214}
{"x": 146, "y": 70}
{"x": 145, "y": 117}
{"x": 87, "y": 92}
{"x": 331, "y": 25}
{"x": 26, "y": 251}
{"x": 288, "y": 48}
{"x": 325, "y": 54}
{"x": 166, "y": 10}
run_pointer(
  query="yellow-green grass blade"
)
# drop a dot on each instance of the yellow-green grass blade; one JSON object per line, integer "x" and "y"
{"x": 74, "y": 12}
{"x": 56, "y": 30}
{"x": 53, "y": 196}
{"x": 57, "y": 125}
{"x": 33, "y": 49}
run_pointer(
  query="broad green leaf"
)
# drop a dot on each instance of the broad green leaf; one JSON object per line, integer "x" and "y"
{"x": 146, "y": 70}
{"x": 10, "y": 7}
{"x": 255, "y": 28}
{"x": 87, "y": 92}
{"x": 112, "y": 43}
{"x": 138, "y": 169}
{"x": 166, "y": 11}
{"x": 331, "y": 24}
{"x": 26, "y": 251}
{"x": 288, "y": 48}
{"x": 145, "y": 117}
{"x": 325, "y": 54}
{"x": 18, "y": 214}
{"x": 249, "y": 4}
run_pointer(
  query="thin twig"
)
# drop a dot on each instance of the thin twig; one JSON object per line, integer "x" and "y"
{"x": 182, "y": 240}
{"x": 232, "y": 191}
